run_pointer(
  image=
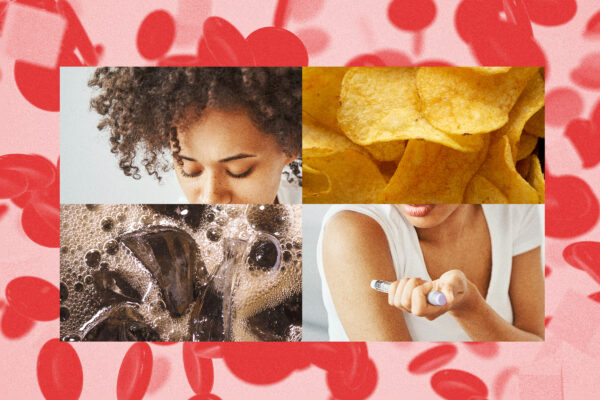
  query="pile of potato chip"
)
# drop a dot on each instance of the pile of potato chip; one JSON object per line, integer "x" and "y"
{"x": 423, "y": 135}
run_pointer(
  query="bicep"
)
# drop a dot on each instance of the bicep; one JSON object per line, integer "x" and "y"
{"x": 356, "y": 251}
{"x": 527, "y": 292}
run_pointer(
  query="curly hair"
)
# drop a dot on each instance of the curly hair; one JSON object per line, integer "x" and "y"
{"x": 142, "y": 107}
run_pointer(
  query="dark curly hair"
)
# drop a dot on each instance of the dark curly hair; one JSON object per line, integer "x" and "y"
{"x": 143, "y": 106}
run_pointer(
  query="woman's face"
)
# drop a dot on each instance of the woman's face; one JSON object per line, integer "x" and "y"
{"x": 427, "y": 215}
{"x": 226, "y": 159}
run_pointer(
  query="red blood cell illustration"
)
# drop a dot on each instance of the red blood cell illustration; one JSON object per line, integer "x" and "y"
{"x": 181, "y": 60}
{"x": 501, "y": 381}
{"x": 263, "y": 363}
{"x": 226, "y": 44}
{"x": 547, "y": 321}
{"x": 340, "y": 389}
{"x": 393, "y": 58}
{"x": 432, "y": 359}
{"x": 205, "y": 397}
{"x": 483, "y": 349}
{"x": 584, "y": 256}
{"x": 3, "y": 210}
{"x": 562, "y": 105}
{"x": 507, "y": 45}
{"x": 76, "y": 36}
{"x": 334, "y": 356}
{"x": 199, "y": 370}
{"x": 585, "y": 137}
{"x": 301, "y": 11}
{"x": 15, "y": 325}
{"x": 12, "y": 184}
{"x": 547, "y": 271}
{"x": 135, "y": 372}
{"x": 33, "y": 297}
{"x": 156, "y": 35}
{"x": 161, "y": 371}
{"x": 475, "y": 18}
{"x": 316, "y": 40}
{"x": 434, "y": 63}
{"x": 38, "y": 170}
{"x": 22, "y": 200}
{"x": 595, "y": 297}
{"x": 207, "y": 349}
{"x": 205, "y": 58}
{"x": 571, "y": 206}
{"x": 59, "y": 371}
{"x": 516, "y": 14}
{"x": 454, "y": 384}
{"x": 551, "y": 12}
{"x": 277, "y": 47}
{"x": 38, "y": 85}
{"x": 366, "y": 60}
{"x": 596, "y": 114}
{"x": 587, "y": 73}
{"x": 411, "y": 15}
{"x": 593, "y": 26}
{"x": 281, "y": 13}
{"x": 41, "y": 223}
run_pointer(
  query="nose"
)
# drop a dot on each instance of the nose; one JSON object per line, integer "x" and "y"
{"x": 214, "y": 190}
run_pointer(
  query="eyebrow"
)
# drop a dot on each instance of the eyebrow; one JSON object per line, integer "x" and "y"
{"x": 224, "y": 160}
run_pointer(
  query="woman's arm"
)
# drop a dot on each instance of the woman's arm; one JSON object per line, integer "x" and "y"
{"x": 470, "y": 309}
{"x": 356, "y": 251}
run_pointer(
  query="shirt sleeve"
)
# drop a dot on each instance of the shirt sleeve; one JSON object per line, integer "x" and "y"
{"x": 529, "y": 232}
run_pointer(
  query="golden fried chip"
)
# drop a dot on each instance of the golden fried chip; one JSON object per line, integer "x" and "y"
{"x": 535, "y": 125}
{"x": 314, "y": 181}
{"x": 381, "y": 105}
{"x": 490, "y": 70}
{"x": 432, "y": 173}
{"x": 460, "y": 100}
{"x": 482, "y": 191}
{"x": 523, "y": 167}
{"x": 320, "y": 141}
{"x": 387, "y": 168}
{"x": 536, "y": 178}
{"x": 387, "y": 151}
{"x": 530, "y": 102}
{"x": 353, "y": 177}
{"x": 499, "y": 169}
{"x": 321, "y": 88}
{"x": 526, "y": 146}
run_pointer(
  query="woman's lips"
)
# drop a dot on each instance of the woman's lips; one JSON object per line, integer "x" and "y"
{"x": 417, "y": 210}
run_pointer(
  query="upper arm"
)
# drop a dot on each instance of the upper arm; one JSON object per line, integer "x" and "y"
{"x": 356, "y": 251}
{"x": 527, "y": 292}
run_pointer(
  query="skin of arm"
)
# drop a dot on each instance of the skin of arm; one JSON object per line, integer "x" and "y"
{"x": 469, "y": 308}
{"x": 356, "y": 251}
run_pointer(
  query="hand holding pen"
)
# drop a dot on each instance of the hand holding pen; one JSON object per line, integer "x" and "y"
{"x": 428, "y": 299}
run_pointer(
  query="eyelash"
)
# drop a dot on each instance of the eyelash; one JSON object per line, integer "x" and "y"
{"x": 236, "y": 176}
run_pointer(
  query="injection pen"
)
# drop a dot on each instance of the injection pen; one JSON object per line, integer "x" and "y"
{"x": 434, "y": 297}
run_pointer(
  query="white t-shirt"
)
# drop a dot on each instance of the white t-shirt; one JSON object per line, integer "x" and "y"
{"x": 514, "y": 229}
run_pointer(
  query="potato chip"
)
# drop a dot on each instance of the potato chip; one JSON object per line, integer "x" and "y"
{"x": 530, "y": 102}
{"x": 482, "y": 191}
{"x": 314, "y": 181}
{"x": 432, "y": 173}
{"x": 387, "y": 151}
{"x": 380, "y": 105}
{"x": 523, "y": 167}
{"x": 320, "y": 93}
{"x": 320, "y": 141}
{"x": 460, "y": 100}
{"x": 535, "y": 124}
{"x": 353, "y": 176}
{"x": 490, "y": 70}
{"x": 526, "y": 146}
{"x": 387, "y": 168}
{"x": 536, "y": 178}
{"x": 500, "y": 170}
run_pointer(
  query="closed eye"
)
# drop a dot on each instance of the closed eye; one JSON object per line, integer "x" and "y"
{"x": 242, "y": 175}
{"x": 192, "y": 175}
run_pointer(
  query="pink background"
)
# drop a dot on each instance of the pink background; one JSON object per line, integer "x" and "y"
{"x": 566, "y": 366}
